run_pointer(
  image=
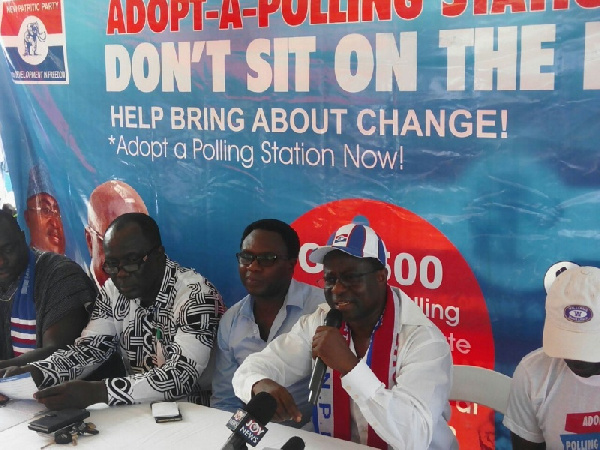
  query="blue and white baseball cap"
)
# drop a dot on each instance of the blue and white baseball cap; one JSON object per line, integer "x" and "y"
{"x": 354, "y": 239}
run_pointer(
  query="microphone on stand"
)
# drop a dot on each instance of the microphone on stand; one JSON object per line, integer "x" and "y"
{"x": 332, "y": 319}
{"x": 248, "y": 424}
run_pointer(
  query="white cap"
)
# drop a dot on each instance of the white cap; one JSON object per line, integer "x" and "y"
{"x": 572, "y": 325}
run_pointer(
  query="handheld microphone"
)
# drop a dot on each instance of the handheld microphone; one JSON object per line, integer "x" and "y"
{"x": 332, "y": 319}
{"x": 248, "y": 424}
{"x": 293, "y": 443}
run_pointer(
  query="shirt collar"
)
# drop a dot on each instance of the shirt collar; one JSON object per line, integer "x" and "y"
{"x": 293, "y": 299}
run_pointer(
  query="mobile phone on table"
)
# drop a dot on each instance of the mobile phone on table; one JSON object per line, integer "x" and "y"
{"x": 56, "y": 420}
{"x": 165, "y": 412}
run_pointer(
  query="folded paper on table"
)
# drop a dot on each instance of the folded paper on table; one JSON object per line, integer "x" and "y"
{"x": 21, "y": 387}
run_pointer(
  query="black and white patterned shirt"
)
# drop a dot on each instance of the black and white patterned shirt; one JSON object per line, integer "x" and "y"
{"x": 167, "y": 345}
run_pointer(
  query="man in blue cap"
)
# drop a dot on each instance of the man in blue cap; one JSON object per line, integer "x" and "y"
{"x": 389, "y": 366}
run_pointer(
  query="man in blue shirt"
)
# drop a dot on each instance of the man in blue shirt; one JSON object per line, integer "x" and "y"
{"x": 268, "y": 254}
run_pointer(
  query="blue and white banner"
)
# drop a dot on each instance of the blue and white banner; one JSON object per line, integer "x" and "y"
{"x": 464, "y": 131}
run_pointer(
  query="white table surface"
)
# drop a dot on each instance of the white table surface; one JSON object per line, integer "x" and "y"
{"x": 133, "y": 427}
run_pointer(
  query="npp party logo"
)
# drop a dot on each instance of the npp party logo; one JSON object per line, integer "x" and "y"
{"x": 33, "y": 38}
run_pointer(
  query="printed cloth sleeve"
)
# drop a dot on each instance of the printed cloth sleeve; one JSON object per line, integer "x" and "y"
{"x": 286, "y": 360}
{"x": 97, "y": 342}
{"x": 403, "y": 415}
{"x": 223, "y": 396}
{"x": 520, "y": 417}
{"x": 187, "y": 354}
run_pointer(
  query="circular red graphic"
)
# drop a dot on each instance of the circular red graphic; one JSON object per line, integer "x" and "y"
{"x": 425, "y": 265}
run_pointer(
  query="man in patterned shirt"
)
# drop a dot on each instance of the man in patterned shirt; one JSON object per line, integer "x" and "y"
{"x": 162, "y": 317}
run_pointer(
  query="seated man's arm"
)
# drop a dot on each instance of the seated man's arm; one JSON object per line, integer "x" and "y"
{"x": 198, "y": 309}
{"x": 62, "y": 291}
{"x": 223, "y": 396}
{"x": 57, "y": 336}
{"x": 286, "y": 360}
{"x": 521, "y": 415}
{"x": 98, "y": 341}
{"x": 405, "y": 415}
{"x": 518, "y": 443}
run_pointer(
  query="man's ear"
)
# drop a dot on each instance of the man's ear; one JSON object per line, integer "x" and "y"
{"x": 88, "y": 239}
{"x": 382, "y": 275}
{"x": 27, "y": 216}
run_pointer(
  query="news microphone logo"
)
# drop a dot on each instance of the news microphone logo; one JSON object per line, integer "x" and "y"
{"x": 244, "y": 425}
{"x": 248, "y": 425}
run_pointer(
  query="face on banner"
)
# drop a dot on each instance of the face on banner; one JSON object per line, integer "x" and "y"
{"x": 431, "y": 271}
{"x": 43, "y": 219}
{"x": 468, "y": 121}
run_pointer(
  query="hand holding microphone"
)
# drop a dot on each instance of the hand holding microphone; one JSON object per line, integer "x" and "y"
{"x": 286, "y": 406}
{"x": 333, "y": 319}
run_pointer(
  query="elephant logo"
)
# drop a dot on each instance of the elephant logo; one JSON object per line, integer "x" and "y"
{"x": 32, "y": 36}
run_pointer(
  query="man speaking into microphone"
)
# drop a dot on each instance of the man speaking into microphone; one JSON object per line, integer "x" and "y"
{"x": 388, "y": 366}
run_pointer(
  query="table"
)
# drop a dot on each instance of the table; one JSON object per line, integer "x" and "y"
{"x": 133, "y": 427}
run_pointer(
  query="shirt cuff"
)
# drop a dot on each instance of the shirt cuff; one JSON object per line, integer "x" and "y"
{"x": 245, "y": 393}
{"x": 119, "y": 391}
{"x": 48, "y": 378}
{"x": 361, "y": 383}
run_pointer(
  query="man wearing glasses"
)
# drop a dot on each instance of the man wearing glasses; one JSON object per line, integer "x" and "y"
{"x": 268, "y": 254}
{"x": 388, "y": 366}
{"x": 162, "y": 317}
{"x": 107, "y": 202}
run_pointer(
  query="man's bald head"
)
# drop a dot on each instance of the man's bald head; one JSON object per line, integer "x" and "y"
{"x": 110, "y": 200}
{"x": 107, "y": 202}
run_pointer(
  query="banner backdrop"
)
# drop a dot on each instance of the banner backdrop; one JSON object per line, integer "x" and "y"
{"x": 465, "y": 132}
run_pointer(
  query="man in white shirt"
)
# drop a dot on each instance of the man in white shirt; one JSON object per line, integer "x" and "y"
{"x": 389, "y": 367}
{"x": 267, "y": 258}
{"x": 554, "y": 401}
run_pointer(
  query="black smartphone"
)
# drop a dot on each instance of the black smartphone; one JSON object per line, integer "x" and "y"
{"x": 56, "y": 420}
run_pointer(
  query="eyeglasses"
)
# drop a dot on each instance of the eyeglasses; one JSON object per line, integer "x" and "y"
{"x": 98, "y": 235}
{"x": 348, "y": 280}
{"x": 129, "y": 266}
{"x": 45, "y": 211}
{"x": 264, "y": 259}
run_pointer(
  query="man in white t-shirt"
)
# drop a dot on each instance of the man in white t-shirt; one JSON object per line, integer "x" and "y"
{"x": 555, "y": 394}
